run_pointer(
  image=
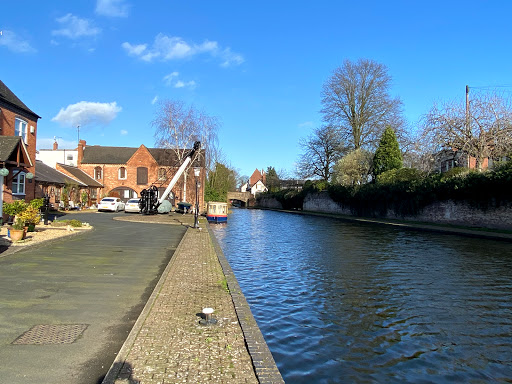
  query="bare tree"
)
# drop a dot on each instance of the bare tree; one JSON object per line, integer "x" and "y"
{"x": 178, "y": 125}
{"x": 356, "y": 100}
{"x": 483, "y": 131}
{"x": 321, "y": 151}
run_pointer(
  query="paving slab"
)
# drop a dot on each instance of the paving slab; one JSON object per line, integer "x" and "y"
{"x": 168, "y": 344}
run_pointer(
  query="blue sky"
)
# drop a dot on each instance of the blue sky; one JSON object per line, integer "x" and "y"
{"x": 258, "y": 66}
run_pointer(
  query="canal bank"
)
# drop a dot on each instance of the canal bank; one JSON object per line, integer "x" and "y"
{"x": 483, "y": 233}
{"x": 168, "y": 344}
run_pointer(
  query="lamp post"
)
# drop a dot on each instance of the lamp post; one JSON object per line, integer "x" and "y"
{"x": 197, "y": 171}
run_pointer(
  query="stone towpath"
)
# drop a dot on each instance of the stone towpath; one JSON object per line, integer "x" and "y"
{"x": 168, "y": 344}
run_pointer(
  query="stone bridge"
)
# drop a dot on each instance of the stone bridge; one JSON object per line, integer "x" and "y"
{"x": 242, "y": 197}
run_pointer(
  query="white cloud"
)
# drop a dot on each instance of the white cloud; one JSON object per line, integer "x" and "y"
{"x": 172, "y": 80}
{"x": 15, "y": 43}
{"x": 87, "y": 113}
{"x": 124, "y": 132}
{"x": 182, "y": 84}
{"x": 155, "y": 99}
{"x": 112, "y": 8}
{"x": 170, "y": 77}
{"x": 134, "y": 50}
{"x": 168, "y": 48}
{"x": 74, "y": 27}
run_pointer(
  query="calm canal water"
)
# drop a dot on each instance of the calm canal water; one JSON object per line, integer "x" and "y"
{"x": 342, "y": 302}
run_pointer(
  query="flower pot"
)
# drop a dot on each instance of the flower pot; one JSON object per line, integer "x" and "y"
{"x": 17, "y": 234}
{"x": 31, "y": 227}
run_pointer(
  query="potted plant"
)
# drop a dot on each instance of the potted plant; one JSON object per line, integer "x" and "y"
{"x": 30, "y": 217}
{"x": 17, "y": 231}
{"x": 13, "y": 209}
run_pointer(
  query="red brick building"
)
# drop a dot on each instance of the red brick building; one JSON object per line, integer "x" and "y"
{"x": 18, "y": 133}
{"x": 126, "y": 171}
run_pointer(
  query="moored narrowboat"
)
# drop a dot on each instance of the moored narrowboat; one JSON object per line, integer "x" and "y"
{"x": 217, "y": 212}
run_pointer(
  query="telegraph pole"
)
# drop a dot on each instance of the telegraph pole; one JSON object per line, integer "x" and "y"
{"x": 468, "y": 120}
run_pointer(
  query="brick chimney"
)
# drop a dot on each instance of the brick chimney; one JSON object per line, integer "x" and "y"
{"x": 55, "y": 145}
{"x": 81, "y": 146}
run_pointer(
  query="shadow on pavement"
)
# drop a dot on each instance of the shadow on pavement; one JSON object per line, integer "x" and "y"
{"x": 125, "y": 374}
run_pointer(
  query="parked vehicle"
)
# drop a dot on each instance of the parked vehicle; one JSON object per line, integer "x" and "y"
{"x": 114, "y": 204}
{"x": 132, "y": 205}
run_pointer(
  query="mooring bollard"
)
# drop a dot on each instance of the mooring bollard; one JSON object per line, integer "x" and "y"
{"x": 208, "y": 319}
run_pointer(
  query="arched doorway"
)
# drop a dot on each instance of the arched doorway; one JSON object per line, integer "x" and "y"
{"x": 124, "y": 193}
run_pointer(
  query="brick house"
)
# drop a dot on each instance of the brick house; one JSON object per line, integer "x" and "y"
{"x": 448, "y": 159}
{"x": 18, "y": 132}
{"x": 126, "y": 171}
{"x": 52, "y": 182}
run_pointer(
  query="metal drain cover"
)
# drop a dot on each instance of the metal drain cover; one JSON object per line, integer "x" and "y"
{"x": 51, "y": 334}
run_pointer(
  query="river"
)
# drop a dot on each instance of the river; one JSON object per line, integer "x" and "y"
{"x": 344, "y": 302}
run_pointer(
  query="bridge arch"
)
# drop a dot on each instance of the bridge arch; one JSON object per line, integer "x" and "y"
{"x": 241, "y": 197}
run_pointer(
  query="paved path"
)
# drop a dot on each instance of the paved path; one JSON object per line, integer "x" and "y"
{"x": 169, "y": 345}
{"x": 100, "y": 280}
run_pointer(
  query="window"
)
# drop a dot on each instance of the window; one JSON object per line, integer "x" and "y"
{"x": 18, "y": 184}
{"x": 94, "y": 193}
{"x": 20, "y": 129}
{"x": 122, "y": 173}
{"x": 162, "y": 174}
{"x": 97, "y": 173}
{"x": 142, "y": 175}
{"x": 69, "y": 157}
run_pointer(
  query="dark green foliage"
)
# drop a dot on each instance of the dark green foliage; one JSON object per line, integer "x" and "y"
{"x": 289, "y": 198}
{"x": 388, "y": 155}
{"x": 401, "y": 175}
{"x": 272, "y": 179}
{"x": 219, "y": 182}
{"x": 406, "y": 192}
{"x": 457, "y": 171}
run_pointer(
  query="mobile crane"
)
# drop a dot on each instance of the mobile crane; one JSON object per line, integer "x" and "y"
{"x": 149, "y": 201}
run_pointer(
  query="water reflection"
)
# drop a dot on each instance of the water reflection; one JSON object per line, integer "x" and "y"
{"x": 343, "y": 302}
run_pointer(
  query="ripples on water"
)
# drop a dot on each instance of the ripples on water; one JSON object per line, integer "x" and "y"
{"x": 342, "y": 302}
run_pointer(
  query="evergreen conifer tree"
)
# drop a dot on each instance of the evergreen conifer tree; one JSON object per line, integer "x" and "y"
{"x": 388, "y": 155}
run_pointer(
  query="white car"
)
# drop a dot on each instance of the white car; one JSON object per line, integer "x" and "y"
{"x": 114, "y": 204}
{"x": 132, "y": 205}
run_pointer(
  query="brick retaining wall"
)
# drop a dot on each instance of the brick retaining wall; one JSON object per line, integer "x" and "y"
{"x": 443, "y": 212}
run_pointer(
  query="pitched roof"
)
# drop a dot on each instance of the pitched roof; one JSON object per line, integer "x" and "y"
{"x": 8, "y": 147}
{"x": 256, "y": 176}
{"x": 96, "y": 154}
{"x": 47, "y": 174}
{"x": 7, "y": 97}
{"x": 80, "y": 175}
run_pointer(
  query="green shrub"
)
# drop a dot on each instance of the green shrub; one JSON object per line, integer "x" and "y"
{"x": 456, "y": 172}
{"x": 75, "y": 223}
{"x": 401, "y": 175}
{"x": 36, "y": 203}
{"x": 63, "y": 223}
{"x": 14, "y": 208}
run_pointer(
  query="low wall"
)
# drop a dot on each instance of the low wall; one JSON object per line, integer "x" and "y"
{"x": 444, "y": 212}
{"x": 269, "y": 202}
